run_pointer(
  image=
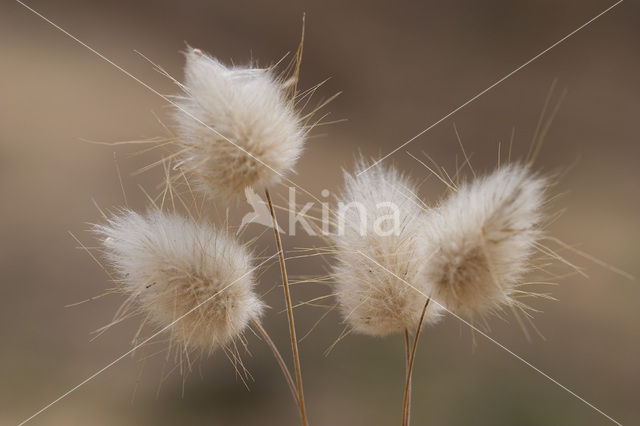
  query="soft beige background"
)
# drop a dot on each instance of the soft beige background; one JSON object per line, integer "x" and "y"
{"x": 401, "y": 66}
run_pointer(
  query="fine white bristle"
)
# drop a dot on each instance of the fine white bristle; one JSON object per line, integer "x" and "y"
{"x": 375, "y": 268}
{"x": 257, "y": 136}
{"x": 480, "y": 239}
{"x": 169, "y": 265}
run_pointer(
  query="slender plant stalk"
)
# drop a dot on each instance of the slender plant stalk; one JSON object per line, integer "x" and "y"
{"x": 407, "y": 344}
{"x": 281, "y": 363}
{"x": 406, "y": 408}
{"x": 292, "y": 327}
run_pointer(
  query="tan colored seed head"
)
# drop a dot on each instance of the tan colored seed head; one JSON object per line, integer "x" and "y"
{"x": 378, "y": 265}
{"x": 480, "y": 239}
{"x": 236, "y": 127}
{"x": 175, "y": 269}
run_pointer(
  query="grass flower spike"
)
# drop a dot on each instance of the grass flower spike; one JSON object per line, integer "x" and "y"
{"x": 168, "y": 265}
{"x": 378, "y": 221}
{"x": 480, "y": 239}
{"x": 252, "y": 136}
{"x": 246, "y": 134}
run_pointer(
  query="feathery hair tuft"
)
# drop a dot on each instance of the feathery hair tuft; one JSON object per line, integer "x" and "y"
{"x": 480, "y": 239}
{"x": 168, "y": 265}
{"x": 373, "y": 300}
{"x": 246, "y": 106}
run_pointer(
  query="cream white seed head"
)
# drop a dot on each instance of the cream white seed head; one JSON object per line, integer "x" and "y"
{"x": 378, "y": 273}
{"x": 480, "y": 239}
{"x": 253, "y": 136}
{"x": 168, "y": 265}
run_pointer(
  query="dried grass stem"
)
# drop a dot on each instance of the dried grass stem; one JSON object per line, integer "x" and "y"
{"x": 292, "y": 328}
{"x": 406, "y": 407}
{"x": 278, "y": 356}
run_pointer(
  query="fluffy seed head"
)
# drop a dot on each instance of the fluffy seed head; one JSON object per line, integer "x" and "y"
{"x": 480, "y": 239}
{"x": 247, "y": 106}
{"x": 378, "y": 214}
{"x": 168, "y": 265}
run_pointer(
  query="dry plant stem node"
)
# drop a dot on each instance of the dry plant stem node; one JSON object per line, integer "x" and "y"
{"x": 292, "y": 327}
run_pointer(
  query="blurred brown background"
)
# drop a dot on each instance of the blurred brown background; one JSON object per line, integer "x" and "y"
{"x": 401, "y": 66}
